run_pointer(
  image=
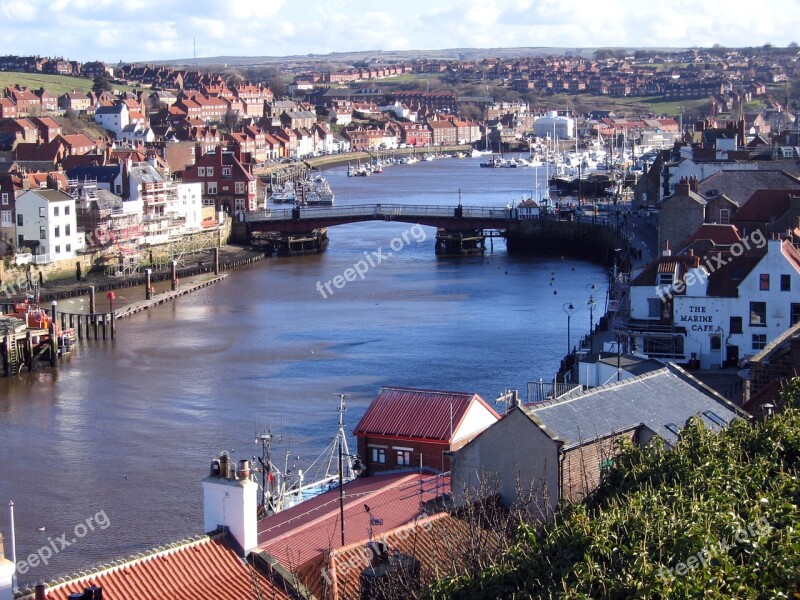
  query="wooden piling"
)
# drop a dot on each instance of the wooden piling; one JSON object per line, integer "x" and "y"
{"x": 174, "y": 275}
{"x": 216, "y": 261}
{"x": 29, "y": 361}
{"x": 148, "y": 284}
{"x": 92, "y": 304}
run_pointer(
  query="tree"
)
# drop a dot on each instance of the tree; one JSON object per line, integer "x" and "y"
{"x": 101, "y": 83}
{"x": 277, "y": 85}
{"x": 230, "y": 120}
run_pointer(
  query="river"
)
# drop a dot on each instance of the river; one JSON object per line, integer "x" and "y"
{"x": 124, "y": 430}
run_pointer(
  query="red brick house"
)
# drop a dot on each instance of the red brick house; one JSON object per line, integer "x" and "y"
{"x": 415, "y": 134}
{"x": 8, "y": 110}
{"x": 445, "y": 133}
{"x": 403, "y": 427}
{"x": 227, "y": 183}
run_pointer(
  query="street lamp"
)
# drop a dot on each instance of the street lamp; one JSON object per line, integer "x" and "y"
{"x": 591, "y": 303}
{"x": 570, "y": 310}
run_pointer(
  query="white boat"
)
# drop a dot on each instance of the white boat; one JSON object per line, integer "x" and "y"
{"x": 286, "y": 196}
{"x": 316, "y": 192}
{"x": 282, "y": 488}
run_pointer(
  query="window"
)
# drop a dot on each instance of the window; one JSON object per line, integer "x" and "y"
{"x": 211, "y": 187}
{"x": 795, "y": 313}
{"x": 19, "y": 220}
{"x": 724, "y": 216}
{"x": 716, "y": 343}
{"x": 42, "y": 233}
{"x": 5, "y": 198}
{"x": 759, "y": 341}
{"x": 5, "y": 218}
{"x": 239, "y": 187}
{"x": 763, "y": 282}
{"x": 57, "y": 231}
{"x": 403, "y": 458}
{"x": 58, "y": 249}
{"x": 209, "y": 171}
{"x": 66, "y": 230}
{"x": 736, "y": 325}
{"x": 665, "y": 279}
{"x": 66, "y": 211}
{"x": 55, "y": 211}
{"x": 378, "y": 455}
{"x": 201, "y": 171}
{"x": 758, "y": 314}
{"x": 226, "y": 171}
{"x": 69, "y": 248}
{"x": 42, "y": 211}
{"x": 786, "y": 283}
{"x": 654, "y": 308}
{"x": 673, "y": 428}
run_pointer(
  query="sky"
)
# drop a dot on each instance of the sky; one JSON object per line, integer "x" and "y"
{"x": 142, "y": 30}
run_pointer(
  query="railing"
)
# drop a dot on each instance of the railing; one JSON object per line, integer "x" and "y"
{"x": 380, "y": 211}
{"x": 539, "y": 391}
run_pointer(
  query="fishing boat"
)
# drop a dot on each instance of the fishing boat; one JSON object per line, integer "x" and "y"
{"x": 495, "y": 162}
{"x": 286, "y": 195}
{"x": 286, "y": 486}
{"x": 316, "y": 191}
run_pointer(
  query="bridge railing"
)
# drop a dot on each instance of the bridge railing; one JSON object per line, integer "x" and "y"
{"x": 378, "y": 211}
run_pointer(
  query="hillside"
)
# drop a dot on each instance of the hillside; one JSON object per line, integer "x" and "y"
{"x": 716, "y": 517}
{"x": 55, "y": 84}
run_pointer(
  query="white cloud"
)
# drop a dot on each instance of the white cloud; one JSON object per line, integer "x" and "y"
{"x": 17, "y": 10}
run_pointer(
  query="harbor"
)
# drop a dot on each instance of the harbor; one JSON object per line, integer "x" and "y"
{"x": 262, "y": 349}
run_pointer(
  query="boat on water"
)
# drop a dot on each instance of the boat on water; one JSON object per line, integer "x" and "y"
{"x": 495, "y": 162}
{"x": 316, "y": 191}
{"x": 286, "y": 195}
{"x": 287, "y": 486}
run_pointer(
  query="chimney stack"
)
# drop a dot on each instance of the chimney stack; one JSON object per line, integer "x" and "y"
{"x": 667, "y": 251}
{"x": 230, "y": 501}
{"x": 682, "y": 188}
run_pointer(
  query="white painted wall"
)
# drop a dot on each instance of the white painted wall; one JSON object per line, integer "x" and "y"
{"x": 705, "y": 316}
{"x": 190, "y": 204}
{"x": 30, "y": 205}
{"x": 232, "y": 503}
{"x": 477, "y": 419}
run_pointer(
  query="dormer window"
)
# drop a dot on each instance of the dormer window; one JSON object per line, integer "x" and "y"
{"x": 665, "y": 279}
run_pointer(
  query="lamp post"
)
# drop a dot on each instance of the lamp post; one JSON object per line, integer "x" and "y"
{"x": 570, "y": 310}
{"x": 591, "y": 288}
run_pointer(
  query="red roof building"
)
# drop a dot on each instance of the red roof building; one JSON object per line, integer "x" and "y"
{"x": 206, "y": 567}
{"x": 406, "y": 428}
{"x": 301, "y": 538}
{"x": 227, "y": 183}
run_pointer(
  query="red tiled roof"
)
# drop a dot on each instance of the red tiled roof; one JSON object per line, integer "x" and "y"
{"x": 721, "y": 235}
{"x": 203, "y": 569}
{"x": 764, "y": 205}
{"x": 725, "y": 281}
{"x": 418, "y": 414}
{"x": 666, "y": 264}
{"x": 305, "y": 532}
{"x": 438, "y": 542}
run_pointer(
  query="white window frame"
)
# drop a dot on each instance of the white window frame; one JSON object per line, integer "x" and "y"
{"x": 211, "y": 188}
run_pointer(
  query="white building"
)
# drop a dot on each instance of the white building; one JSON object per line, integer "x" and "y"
{"x": 135, "y": 133}
{"x": 190, "y": 205}
{"x": 719, "y": 310}
{"x": 554, "y": 126}
{"x": 114, "y": 118}
{"x": 46, "y": 223}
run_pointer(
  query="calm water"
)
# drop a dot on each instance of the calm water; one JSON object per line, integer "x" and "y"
{"x": 127, "y": 428}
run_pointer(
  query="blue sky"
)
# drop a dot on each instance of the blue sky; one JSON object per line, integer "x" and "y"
{"x": 139, "y": 30}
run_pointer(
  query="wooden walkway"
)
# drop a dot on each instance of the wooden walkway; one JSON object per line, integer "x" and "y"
{"x": 168, "y": 296}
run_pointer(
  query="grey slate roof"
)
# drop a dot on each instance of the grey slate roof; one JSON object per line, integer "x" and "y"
{"x": 635, "y": 365}
{"x": 739, "y": 186}
{"x": 103, "y": 174}
{"x": 656, "y": 399}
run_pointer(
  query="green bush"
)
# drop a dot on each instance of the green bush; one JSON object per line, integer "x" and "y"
{"x": 716, "y": 517}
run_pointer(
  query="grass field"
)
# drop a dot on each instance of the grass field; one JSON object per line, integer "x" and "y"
{"x": 55, "y": 84}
